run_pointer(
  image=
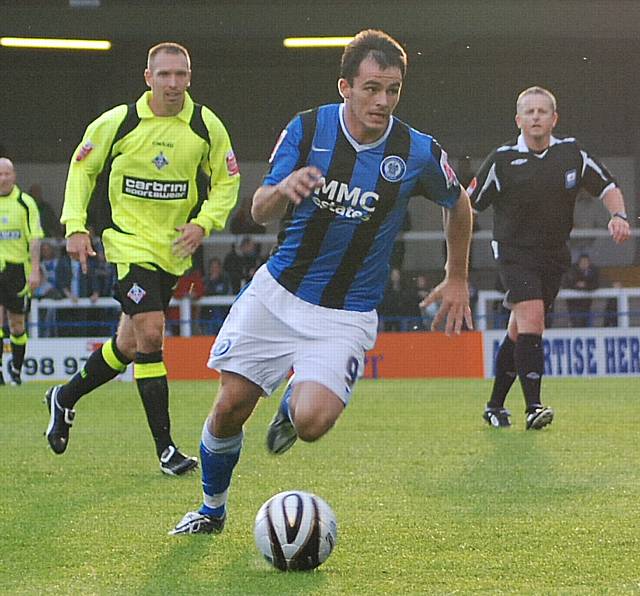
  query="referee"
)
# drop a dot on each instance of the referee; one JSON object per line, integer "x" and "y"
{"x": 532, "y": 183}
{"x": 20, "y": 235}
{"x": 150, "y": 153}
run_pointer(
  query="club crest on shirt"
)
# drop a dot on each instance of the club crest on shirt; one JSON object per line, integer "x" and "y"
{"x": 393, "y": 168}
{"x": 570, "y": 179}
{"x": 5, "y": 220}
{"x": 160, "y": 160}
{"x": 136, "y": 293}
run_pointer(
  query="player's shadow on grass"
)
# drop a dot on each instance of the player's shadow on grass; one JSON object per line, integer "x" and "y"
{"x": 509, "y": 469}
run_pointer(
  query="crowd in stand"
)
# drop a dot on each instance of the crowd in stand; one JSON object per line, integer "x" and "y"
{"x": 399, "y": 310}
{"x": 62, "y": 278}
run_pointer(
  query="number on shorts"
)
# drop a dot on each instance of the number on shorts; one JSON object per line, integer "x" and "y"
{"x": 352, "y": 370}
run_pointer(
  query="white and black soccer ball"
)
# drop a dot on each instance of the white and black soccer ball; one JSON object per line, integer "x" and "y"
{"x": 295, "y": 530}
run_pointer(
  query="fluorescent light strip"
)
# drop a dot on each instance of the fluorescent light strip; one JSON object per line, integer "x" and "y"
{"x": 316, "y": 42}
{"x": 55, "y": 44}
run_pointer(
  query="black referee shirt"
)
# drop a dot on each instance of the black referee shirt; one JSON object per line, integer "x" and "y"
{"x": 534, "y": 194}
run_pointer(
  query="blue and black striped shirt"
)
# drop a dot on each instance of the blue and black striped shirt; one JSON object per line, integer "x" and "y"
{"x": 336, "y": 246}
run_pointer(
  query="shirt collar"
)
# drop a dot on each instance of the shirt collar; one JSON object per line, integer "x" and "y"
{"x": 144, "y": 111}
{"x": 15, "y": 192}
{"x": 523, "y": 148}
{"x": 359, "y": 146}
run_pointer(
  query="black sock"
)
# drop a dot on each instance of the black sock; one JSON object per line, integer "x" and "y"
{"x": 151, "y": 379}
{"x": 18, "y": 348}
{"x": 529, "y": 359}
{"x": 106, "y": 363}
{"x": 505, "y": 373}
{"x": 1, "y": 346}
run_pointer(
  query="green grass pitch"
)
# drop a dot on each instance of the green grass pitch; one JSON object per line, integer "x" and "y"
{"x": 429, "y": 499}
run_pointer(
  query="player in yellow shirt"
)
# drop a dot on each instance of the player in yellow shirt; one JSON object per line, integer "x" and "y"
{"x": 149, "y": 153}
{"x": 20, "y": 235}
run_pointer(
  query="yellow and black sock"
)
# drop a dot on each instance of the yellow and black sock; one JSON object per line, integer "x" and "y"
{"x": 1, "y": 346}
{"x": 106, "y": 363}
{"x": 151, "y": 378}
{"x": 18, "y": 348}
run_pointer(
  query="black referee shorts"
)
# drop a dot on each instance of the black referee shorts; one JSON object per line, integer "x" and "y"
{"x": 145, "y": 290}
{"x": 531, "y": 273}
{"x": 13, "y": 281}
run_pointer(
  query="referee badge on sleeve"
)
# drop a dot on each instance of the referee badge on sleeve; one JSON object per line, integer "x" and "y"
{"x": 570, "y": 179}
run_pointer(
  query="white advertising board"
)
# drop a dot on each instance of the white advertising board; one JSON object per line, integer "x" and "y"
{"x": 57, "y": 359}
{"x": 589, "y": 352}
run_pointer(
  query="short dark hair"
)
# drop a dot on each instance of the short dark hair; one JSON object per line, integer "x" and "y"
{"x": 171, "y": 48}
{"x": 385, "y": 50}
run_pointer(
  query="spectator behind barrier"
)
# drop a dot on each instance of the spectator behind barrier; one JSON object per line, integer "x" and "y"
{"x": 583, "y": 276}
{"x": 216, "y": 283}
{"x": 190, "y": 284}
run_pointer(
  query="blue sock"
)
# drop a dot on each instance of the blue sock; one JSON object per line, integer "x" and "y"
{"x": 284, "y": 402}
{"x": 218, "y": 458}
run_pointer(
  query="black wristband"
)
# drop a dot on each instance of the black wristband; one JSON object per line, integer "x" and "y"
{"x": 620, "y": 215}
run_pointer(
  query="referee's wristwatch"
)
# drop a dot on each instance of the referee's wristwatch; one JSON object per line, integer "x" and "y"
{"x": 620, "y": 215}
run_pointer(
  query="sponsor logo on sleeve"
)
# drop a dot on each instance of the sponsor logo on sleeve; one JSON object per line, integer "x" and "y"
{"x": 449, "y": 174}
{"x": 283, "y": 134}
{"x": 472, "y": 186}
{"x": 84, "y": 151}
{"x": 155, "y": 189}
{"x": 232, "y": 164}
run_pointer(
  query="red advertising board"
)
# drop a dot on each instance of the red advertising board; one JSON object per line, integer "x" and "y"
{"x": 395, "y": 356}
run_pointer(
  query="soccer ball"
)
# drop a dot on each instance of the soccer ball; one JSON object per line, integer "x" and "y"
{"x": 295, "y": 530}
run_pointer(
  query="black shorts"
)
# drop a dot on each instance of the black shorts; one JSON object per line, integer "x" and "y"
{"x": 143, "y": 290}
{"x": 13, "y": 281}
{"x": 530, "y": 273}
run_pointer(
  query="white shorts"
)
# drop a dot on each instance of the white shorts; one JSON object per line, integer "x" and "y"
{"x": 269, "y": 331}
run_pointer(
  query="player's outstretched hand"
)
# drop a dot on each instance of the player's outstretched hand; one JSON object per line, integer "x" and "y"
{"x": 190, "y": 239}
{"x": 298, "y": 185}
{"x": 453, "y": 296}
{"x": 79, "y": 248}
{"x": 619, "y": 230}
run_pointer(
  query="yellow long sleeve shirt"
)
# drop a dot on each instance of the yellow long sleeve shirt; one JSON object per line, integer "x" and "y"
{"x": 152, "y": 180}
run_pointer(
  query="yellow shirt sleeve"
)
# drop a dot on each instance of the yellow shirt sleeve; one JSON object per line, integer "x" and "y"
{"x": 35, "y": 229}
{"x": 222, "y": 169}
{"x": 87, "y": 161}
